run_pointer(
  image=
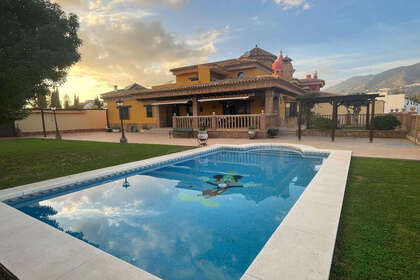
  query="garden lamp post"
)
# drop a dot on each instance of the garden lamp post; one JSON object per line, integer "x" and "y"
{"x": 125, "y": 184}
{"x": 57, "y": 132}
{"x": 121, "y": 109}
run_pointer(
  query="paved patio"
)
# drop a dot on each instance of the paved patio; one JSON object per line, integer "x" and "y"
{"x": 381, "y": 147}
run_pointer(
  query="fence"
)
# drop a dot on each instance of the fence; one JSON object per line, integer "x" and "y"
{"x": 344, "y": 120}
{"x": 225, "y": 122}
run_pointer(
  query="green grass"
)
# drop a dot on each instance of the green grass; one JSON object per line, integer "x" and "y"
{"x": 25, "y": 161}
{"x": 379, "y": 233}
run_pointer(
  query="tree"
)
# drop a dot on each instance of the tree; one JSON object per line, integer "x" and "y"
{"x": 38, "y": 44}
{"x": 97, "y": 103}
{"x": 66, "y": 101}
{"x": 55, "y": 99}
{"x": 76, "y": 103}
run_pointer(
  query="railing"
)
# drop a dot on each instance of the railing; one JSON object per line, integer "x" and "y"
{"x": 345, "y": 120}
{"x": 225, "y": 122}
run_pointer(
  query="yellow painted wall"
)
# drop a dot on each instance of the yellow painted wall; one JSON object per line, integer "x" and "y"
{"x": 137, "y": 113}
{"x": 256, "y": 104}
{"x": 251, "y": 72}
{"x": 210, "y": 107}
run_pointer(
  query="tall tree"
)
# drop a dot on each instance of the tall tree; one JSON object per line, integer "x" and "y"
{"x": 55, "y": 99}
{"x": 66, "y": 101}
{"x": 76, "y": 102}
{"x": 38, "y": 43}
{"x": 97, "y": 103}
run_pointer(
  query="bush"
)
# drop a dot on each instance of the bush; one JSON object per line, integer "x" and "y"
{"x": 272, "y": 132}
{"x": 322, "y": 123}
{"x": 386, "y": 122}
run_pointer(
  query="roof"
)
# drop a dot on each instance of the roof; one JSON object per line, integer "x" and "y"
{"x": 258, "y": 53}
{"x": 255, "y": 55}
{"x": 122, "y": 92}
{"x": 134, "y": 86}
{"x": 220, "y": 86}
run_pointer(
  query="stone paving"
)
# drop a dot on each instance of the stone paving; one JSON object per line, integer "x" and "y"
{"x": 381, "y": 147}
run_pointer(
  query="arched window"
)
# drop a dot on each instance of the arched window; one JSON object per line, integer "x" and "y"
{"x": 241, "y": 75}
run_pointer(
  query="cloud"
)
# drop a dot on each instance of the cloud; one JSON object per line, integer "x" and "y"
{"x": 125, "y": 42}
{"x": 288, "y": 4}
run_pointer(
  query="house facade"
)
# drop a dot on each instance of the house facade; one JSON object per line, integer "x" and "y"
{"x": 257, "y": 89}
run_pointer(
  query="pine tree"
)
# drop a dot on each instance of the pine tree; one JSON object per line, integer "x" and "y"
{"x": 55, "y": 99}
{"x": 66, "y": 101}
{"x": 76, "y": 103}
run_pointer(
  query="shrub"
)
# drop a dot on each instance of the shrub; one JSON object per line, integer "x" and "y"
{"x": 322, "y": 123}
{"x": 386, "y": 122}
{"x": 272, "y": 132}
{"x": 145, "y": 126}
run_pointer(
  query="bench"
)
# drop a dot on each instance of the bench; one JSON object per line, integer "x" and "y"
{"x": 181, "y": 133}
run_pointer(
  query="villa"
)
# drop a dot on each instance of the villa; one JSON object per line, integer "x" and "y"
{"x": 257, "y": 89}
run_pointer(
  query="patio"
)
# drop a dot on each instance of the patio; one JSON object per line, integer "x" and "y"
{"x": 381, "y": 147}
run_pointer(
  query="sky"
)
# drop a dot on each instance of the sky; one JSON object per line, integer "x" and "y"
{"x": 127, "y": 41}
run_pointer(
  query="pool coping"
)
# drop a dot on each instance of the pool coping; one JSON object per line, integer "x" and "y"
{"x": 307, "y": 234}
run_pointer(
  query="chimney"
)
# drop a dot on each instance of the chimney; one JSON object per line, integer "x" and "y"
{"x": 316, "y": 75}
{"x": 308, "y": 76}
{"x": 115, "y": 88}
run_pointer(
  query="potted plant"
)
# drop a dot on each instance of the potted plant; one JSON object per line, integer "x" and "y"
{"x": 272, "y": 132}
{"x": 251, "y": 132}
{"x": 202, "y": 135}
{"x": 115, "y": 128}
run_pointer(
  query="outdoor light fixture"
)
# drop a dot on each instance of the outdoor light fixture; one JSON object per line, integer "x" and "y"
{"x": 126, "y": 184}
{"x": 57, "y": 132}
{"x": 123, "y": 110}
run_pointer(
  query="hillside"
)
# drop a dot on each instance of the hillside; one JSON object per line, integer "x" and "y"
{"x": 394, "y": 78}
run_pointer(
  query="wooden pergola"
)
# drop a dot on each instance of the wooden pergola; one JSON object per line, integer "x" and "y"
{"x": 336, "y": 101}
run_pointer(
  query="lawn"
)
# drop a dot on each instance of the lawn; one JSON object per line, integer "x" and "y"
{"x": 25, "y": 161}
{"x": 379, "y": 233}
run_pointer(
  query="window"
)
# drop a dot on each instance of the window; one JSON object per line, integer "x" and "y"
{"x": 149, "y": 111}
{"x": 192, "y": 79}
{"x": 241, "y": 75}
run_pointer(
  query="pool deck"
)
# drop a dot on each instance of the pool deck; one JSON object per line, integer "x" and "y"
{"x": 301, "y": 247}
{"x": 381, "y": 147}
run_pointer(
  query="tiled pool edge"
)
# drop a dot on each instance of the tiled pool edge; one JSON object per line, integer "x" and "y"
{"x": 302, "y": 246}
{"x": 99, "y": 263}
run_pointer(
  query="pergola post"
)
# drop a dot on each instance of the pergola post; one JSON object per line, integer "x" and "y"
{"x": 371, "y": 121}
{"x": 334, "y": 120}
{"x": 367, "y": 115}
{"x": 300, "y": 121}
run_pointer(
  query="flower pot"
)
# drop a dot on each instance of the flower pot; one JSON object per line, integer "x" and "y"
{"x": 252, "y": 134}
{"x": 203, "y": 135}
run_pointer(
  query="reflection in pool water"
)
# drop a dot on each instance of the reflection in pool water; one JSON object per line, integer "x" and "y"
{"x": 205, "y": 218}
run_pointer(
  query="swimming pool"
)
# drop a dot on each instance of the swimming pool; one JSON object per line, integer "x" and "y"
{"x": 201, "y": 217}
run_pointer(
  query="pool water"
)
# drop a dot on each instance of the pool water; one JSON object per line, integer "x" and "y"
{"x": 202, "y": 218}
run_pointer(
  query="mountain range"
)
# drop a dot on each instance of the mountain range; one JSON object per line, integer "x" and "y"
{"x": 401, "y": 79}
